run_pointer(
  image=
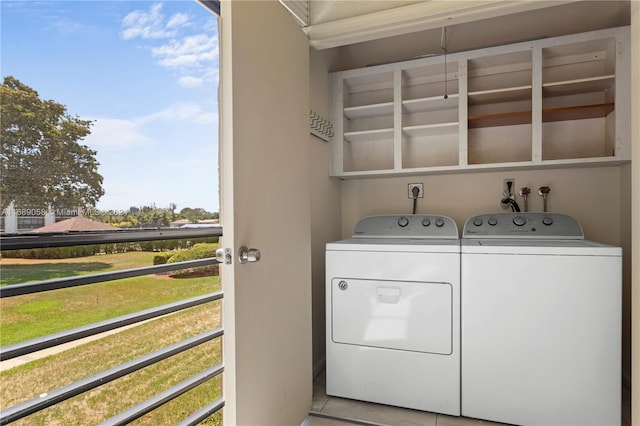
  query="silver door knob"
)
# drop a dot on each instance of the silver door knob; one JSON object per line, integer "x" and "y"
{"x": 246, "y": 255}
{"x": 223, "y": 255}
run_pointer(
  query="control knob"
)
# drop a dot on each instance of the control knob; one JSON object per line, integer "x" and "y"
{"x": 403, "y": 221}
{"x": 547, "y": 220}
{"x": 477, "y": 221}
{"x": 519, "y": 220}
{"x": 439, "y": 222}
{"x": 426, "y": 222}
{"x": 492, "y": 221}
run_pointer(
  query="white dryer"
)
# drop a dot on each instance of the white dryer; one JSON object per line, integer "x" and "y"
{"x": 393, "y": 313}
{"x": 541, "y": 322}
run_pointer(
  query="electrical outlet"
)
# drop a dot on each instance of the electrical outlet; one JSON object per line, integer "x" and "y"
{"x": 419, "y": 186}
{"x": 505, "y": 186}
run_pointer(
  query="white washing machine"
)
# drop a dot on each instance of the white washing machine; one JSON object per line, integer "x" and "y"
{"x": 393, "y": 313}
{"x": 541, "y": 322}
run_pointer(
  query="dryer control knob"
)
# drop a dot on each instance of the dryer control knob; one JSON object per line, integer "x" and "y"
{"x": 519, "y": 220}
{"x": 492, "y": 221}
{"x": 547, "y": 220}
{"x": 426, "y": 222}
{"x": 439, "y": 222}
{"x": 403, "y": 221}
{"x": 477, "y": 221}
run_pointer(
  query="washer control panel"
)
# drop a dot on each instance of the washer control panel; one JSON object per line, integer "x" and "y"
{"x": 406, "y": 226}
{"x": 522, "y": 225}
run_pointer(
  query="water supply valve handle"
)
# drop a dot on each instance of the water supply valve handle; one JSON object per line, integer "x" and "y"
{"x": 524, "y": 193}
{"x": 544, "y": 191}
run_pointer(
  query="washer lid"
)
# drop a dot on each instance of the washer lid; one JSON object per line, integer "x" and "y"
{"x": 529, "y": 246}
{"x": 420, "y": 245}
{"x": 406, "y": 226}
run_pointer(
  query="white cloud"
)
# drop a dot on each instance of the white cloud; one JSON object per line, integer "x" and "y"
{"x": 178, "y": 20}
{"x": 188, "y": 52}
{"x": 186, "y": 111}
{"x": 66, "y": 26}
{"x": 148, "y": 25}
{"x": 116, "y": 133}
{"x": 190, "y": 82}
{"x": 193, "y": 56}
{"x": 120, "y": 134}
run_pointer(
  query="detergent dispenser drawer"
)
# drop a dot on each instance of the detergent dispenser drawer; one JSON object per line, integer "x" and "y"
{"x": 400, "y": 315}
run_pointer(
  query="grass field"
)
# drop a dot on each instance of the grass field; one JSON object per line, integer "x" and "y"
{"x": 39, "y": 314}
{"x": 20, "y": 271}
{"x": 25, "y": 317}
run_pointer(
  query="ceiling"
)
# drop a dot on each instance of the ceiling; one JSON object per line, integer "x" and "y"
{"x": 335, "y": 23}
{"x": 323, "y": 11}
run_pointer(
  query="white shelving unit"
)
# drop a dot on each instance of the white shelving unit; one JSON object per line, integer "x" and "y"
{"x": 545, "y": 103}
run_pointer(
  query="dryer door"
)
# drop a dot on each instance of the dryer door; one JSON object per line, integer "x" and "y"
{"x": 403, "y": 315}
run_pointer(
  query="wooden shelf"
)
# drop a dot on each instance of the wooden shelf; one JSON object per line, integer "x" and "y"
{"x": 431, "y": 129}
{"x": 369, "y": 135}
{"x": 580, "y": 112}
{"x": 582, "y": 85}
{"x": 367, "y": 111}
{"x": 508, "y": 94}
{"x": 502, "y": 119}
{"x": 552, "y": 102}
{"x": 430, "y": 104}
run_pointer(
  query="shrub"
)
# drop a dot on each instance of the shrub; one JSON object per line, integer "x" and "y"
{"x": 53, "y": 252}
{"x": 80, "y": 251}
{"x": 161, "y": 258}
{"x": 198, "y": 251}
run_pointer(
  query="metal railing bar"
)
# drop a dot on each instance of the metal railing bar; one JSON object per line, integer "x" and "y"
{"x": 151, "y": 404}
{"x": 203, "y": 413}
{"x": 59, "y": 283}
{"x": 68, "y": 239}
{"x": 46, "y": 400}
{"x": 44, "y": 342}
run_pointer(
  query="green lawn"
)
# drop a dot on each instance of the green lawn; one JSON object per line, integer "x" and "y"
{"x": 29, "y": 380}
{"x": 21, "y": 271}
{"x": 29, "y": 316}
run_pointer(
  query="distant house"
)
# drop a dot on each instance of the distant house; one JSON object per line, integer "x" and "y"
{"x": 209, "y": 221}
{"x": 76, "y": 224}
{"x": 178, "y": 223}
{"x": 186, "y": 223}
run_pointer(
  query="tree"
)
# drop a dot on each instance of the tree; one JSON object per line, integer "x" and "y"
{"x": 42, "y": 161}
{"x": 196, "y": 214}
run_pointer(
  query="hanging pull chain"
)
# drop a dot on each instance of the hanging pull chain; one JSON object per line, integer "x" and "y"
{"x": 443, "y": 46}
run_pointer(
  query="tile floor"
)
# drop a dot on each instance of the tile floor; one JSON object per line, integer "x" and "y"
{"x": 332, "y": 411}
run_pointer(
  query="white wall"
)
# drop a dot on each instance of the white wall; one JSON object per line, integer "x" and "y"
{"x": 591, "y": 195}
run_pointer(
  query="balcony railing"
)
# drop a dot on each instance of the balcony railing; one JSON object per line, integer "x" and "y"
{"x": 48, "y": 398}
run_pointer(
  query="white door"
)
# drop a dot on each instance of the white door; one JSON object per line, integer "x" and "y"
{"x": 265, "y": 183}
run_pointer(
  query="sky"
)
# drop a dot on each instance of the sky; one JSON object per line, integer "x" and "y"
{"x": 146, "y": 73}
